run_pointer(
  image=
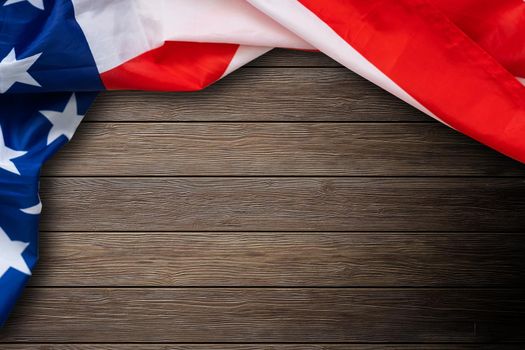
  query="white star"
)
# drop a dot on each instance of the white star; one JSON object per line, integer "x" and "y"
{"x": 39, "y": 4}
{"x": 7, "y": 154}
{"x": 13, "y": 70}
{"x": 34, "y": 210}
{"x": 12, "y": 254}
{"x": 65, "y": 122}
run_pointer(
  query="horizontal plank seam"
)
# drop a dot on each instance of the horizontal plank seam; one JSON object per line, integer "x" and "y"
{"x": 292, "y": 176}
{"x": 429, "y": 121}
{"x": 489, "y": 288}
{"x": 262, "y": 343}
{"x": 284, "y": 231}
{"x": 313, "y": 233}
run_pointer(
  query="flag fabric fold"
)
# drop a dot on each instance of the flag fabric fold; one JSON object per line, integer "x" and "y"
{"x": 459, "y": 61}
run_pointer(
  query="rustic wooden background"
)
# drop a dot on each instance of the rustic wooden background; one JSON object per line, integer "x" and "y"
{"x": 293, "y": 205}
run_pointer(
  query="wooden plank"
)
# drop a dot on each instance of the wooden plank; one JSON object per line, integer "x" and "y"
{"x": 280, "y": 259}
{"x": 293, "y": 58}
{"x": 263, "y": 94}
{"x": 189, "y": 149}
{"x": 283, "y": 204}
{"x": 267, "y": 315}
{"x": 273, "y": 346}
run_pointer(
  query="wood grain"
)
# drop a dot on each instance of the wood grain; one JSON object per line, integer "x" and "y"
{"x": 263, "y": 94}
{"x": 348, "y": 346}
{"x": 305, "y": 149}
{"x": 293, "y": 58}
{"x": 283, "y": 204}
{"x": 280, "y": 259}
{"x": 267, "y": 315}
{"x": 294, "y": 143}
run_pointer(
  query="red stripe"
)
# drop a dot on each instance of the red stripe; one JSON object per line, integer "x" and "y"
{"x": 497, "y": 26}
{"x": 175, "y": 66}
{"x": 420, "y": 49}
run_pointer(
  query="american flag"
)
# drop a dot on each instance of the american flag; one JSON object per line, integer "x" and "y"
{"x": 459, "y": 61}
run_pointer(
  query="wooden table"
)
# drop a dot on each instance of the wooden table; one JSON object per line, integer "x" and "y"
{"x": 293, "y": 205}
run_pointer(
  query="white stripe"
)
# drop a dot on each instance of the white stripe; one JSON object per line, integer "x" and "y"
{"x": 119, "y": 30}
{"x": 308, "y": 26}
{"x": 521, "y": 80}
{"x": 114, "y": 31}
{"x": 230, "y": 21}
{"x": 243, "y": 55}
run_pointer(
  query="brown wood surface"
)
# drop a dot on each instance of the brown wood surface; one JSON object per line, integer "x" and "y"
{"x": 264, "y": 94}
{"x": 293, "y": 58}
{"x": 281, "y": 259}
{"x": 304, "y": 149}
{"x": 282, "y": 204}
{"x": 303, "y": 346}
{"x": 267, "y": 315}
{"x": 292, "y": 205}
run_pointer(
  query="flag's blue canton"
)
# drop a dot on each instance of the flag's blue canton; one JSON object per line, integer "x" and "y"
{"x": 43, "y": 53}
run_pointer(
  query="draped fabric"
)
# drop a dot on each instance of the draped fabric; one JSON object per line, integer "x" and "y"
{"x": 461, "y": 62}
